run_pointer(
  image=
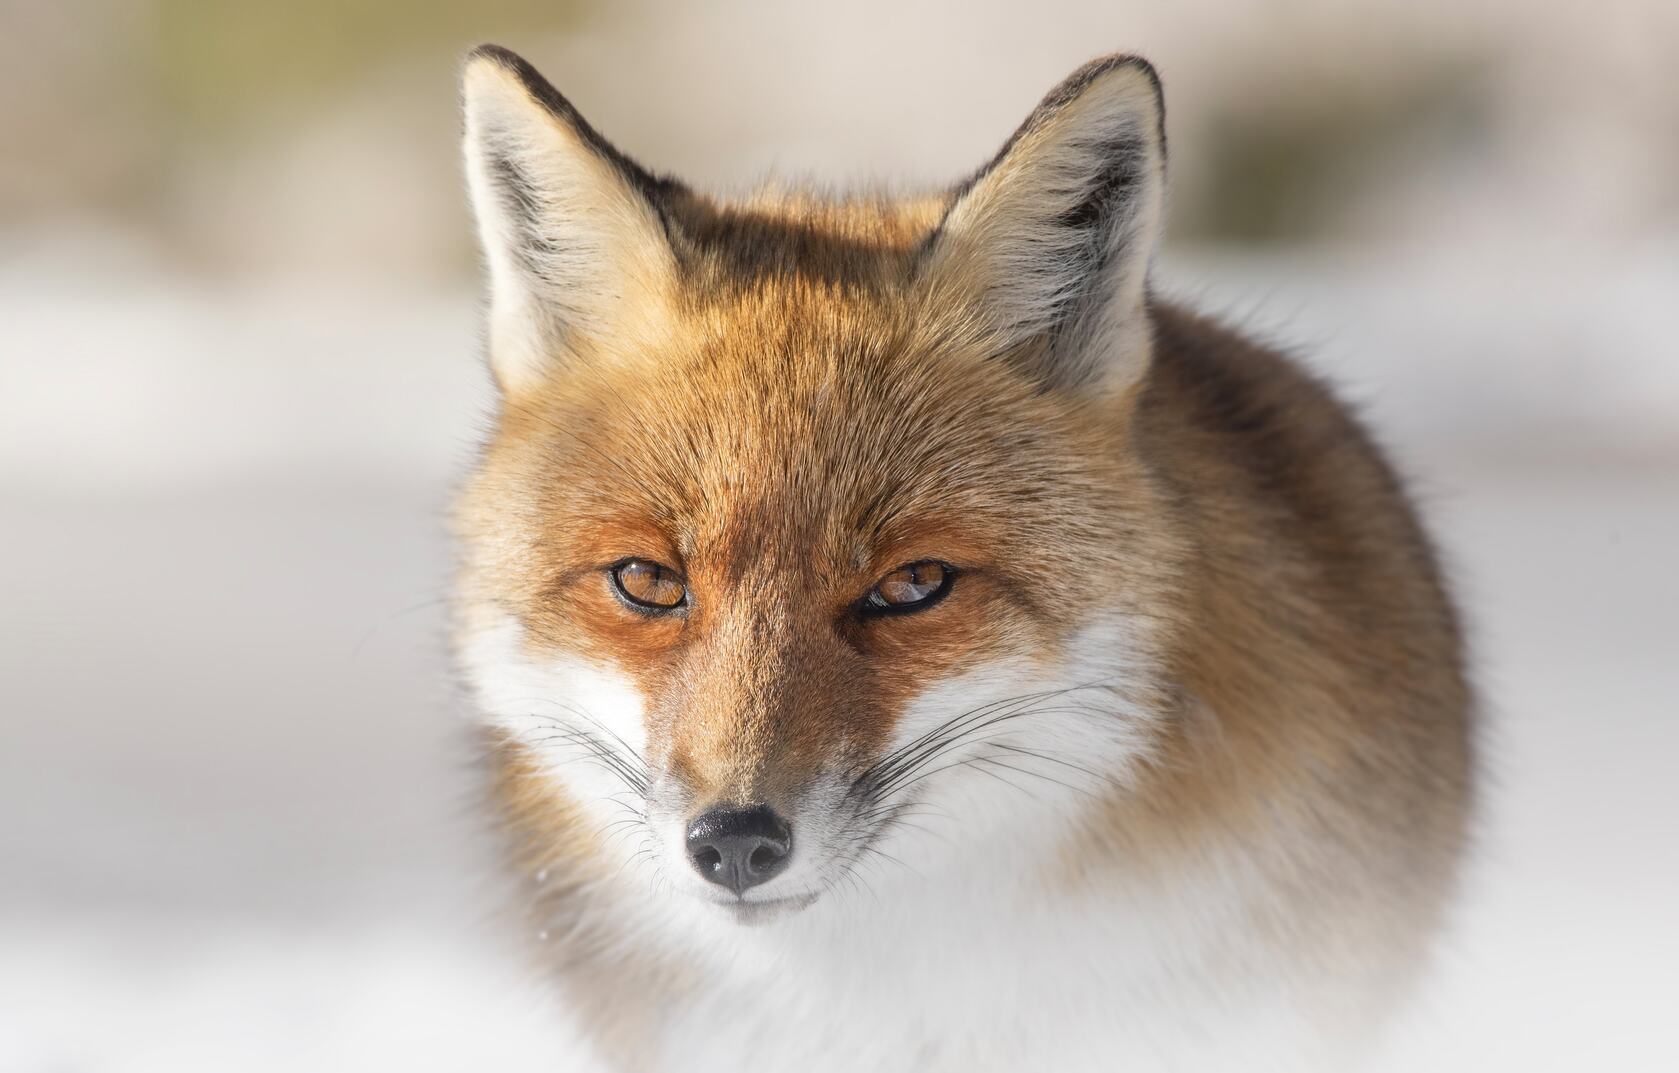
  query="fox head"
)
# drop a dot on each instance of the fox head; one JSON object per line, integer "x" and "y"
{"x": 809, "y": 528}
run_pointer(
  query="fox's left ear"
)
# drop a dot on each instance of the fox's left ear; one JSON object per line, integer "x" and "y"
{"x": 1049, "y": 245}
{"x": 574, "y": 232}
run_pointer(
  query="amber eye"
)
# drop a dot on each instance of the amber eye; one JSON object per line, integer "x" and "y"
{"x": 648, "y": 585}
{"x": 911, "y": 587}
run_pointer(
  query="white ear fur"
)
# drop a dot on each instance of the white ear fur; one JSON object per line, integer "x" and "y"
{"x": 1051, "y": 242}
{"x": 569, "y": 227}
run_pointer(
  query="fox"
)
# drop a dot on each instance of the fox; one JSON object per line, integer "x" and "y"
{"x": 901, "y": 640}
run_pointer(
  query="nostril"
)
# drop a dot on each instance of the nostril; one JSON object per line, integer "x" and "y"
{"x": 739, "y": 848}
{"x": 764, "y": 858}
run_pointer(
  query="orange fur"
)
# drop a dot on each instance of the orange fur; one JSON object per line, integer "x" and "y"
{"x": 799, "y": 395}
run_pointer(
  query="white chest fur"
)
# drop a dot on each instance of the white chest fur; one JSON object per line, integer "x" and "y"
{"x": 981, "y": 974}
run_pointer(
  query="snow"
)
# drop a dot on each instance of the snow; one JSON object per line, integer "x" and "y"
{"x": 234, "y": 811}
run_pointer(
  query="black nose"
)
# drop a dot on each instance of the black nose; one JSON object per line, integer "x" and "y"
{"x": 739, "y": 848}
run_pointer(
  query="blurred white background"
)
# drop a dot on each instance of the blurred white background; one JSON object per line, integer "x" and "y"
{"x": 239, "y": 370}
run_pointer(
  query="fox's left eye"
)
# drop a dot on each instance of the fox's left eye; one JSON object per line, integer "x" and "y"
{"x": 649, "y": 586}
{"x": 912, "y": 587}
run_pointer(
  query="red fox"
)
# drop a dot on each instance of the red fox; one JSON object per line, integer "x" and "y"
{"x": 904, "y": 642}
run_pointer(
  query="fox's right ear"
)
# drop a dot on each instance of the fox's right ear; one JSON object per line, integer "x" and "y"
{"x": 573, "y": 231}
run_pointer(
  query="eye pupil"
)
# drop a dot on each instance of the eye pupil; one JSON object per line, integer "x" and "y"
{"x": 645, "y": 583}
{"x": 910, "y": 587}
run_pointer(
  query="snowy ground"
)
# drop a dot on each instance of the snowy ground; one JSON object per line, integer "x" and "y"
{"x": 235, "y": 829}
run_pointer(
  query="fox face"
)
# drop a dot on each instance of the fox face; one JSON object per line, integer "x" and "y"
{"x": 811, "y": 534}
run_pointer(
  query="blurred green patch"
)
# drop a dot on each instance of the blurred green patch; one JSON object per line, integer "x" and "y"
{"x": 1287, "y": 171}
{"x": 220, "y": 63}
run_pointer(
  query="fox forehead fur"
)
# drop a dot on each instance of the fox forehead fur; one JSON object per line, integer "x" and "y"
{"x": 1186, "y": 729}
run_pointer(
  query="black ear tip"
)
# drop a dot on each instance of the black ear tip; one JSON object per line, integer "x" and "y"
{"x": 1090, "y": 73}
{"x": 1141, "y": 64}
{"x": 539, "y": 88}
{"x": 496, "y": 54}
{"x": 1075, "y": 84}
{"x": 515, "y": 65}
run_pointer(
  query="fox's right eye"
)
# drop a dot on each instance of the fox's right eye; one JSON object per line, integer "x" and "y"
{"x": 912, "y": 587}
{"x": 649, "y": 586}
